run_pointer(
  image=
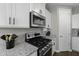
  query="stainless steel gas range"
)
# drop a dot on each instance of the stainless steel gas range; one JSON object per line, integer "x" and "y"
{"x": 43, "y": 44}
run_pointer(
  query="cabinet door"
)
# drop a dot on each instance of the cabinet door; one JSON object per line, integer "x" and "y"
{"x": 64, "y": 29}
{"x": 75, "y": 21}
{"x": 34, "y": 7}
{"x": 38, "y": 7}
{"x": 48, "y": 19}
{"x": 42, "y": 9}
{"x": 21, "y": 16}
{"x": 5, "y": 14}
{"x": 75, "y": 43}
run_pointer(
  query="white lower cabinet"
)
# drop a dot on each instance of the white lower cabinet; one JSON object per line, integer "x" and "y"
{"x": 75, "y": 43}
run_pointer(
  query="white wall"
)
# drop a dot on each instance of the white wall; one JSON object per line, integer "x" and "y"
{"x": 54, "y": 25}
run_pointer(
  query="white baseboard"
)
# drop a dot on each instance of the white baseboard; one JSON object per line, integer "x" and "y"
{"x": 70, "y": 50}
{"x": 61, "y": 51}
{"x": 75, "y": 50}
{"x": 57, "y": 51}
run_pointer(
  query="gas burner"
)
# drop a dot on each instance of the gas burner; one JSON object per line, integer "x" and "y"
{"x": 38, "y": 41}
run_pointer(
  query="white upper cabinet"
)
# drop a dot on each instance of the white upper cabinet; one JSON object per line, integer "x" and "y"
{"x": 5, "y": 14}
{"x": 75, "y": 21}
{"x": 48, "y": 19}
{"x": 20, "y": 15}
{"x": 38, "y": 7}
{"x": 14, "y": 15}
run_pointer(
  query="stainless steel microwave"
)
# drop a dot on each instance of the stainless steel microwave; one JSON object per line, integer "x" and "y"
{"x": 37, "y": 20}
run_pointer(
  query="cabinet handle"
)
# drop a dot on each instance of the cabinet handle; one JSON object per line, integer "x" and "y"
{"x": 13, "y": 20}
{"x": 9, "y": 20}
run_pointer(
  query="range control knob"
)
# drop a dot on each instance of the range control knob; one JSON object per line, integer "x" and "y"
{"x": 43, "y": 49}
{"x": 47, "y": 45}
{"x": 50, "y": 43}
{"x": 40, "y": 51}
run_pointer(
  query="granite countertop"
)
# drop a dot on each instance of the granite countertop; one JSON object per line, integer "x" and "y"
{"x": 23, "y": 49}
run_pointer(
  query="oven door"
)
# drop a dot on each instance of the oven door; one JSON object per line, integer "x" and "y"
{"x": 36, "y": 20}
{"x": 47, "y": 52}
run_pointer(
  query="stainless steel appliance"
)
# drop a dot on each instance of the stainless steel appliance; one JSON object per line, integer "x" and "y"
{"x": 36, "y": 20}
{"x": 43, "y": 44}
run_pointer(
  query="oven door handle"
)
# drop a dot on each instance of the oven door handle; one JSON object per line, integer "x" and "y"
{"x": 47, "y": 51}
